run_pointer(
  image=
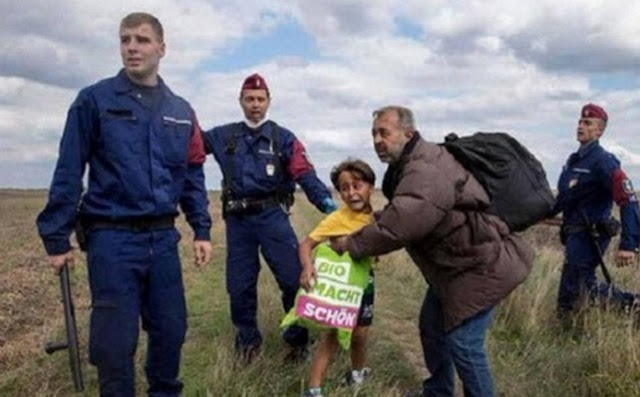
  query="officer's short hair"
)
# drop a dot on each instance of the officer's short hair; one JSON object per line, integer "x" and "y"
{"x": 405, "y": 116}
{"x": 136, "y": 19}
{"x": 603, "y": 124}
{"x": 359, "y": 168}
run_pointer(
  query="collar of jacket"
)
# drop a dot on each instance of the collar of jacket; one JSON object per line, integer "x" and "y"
{"x": 392, "y": 175}
{"x": 264, "y": 131}
{"x": 408, "y": 148}
{"x": 588, "y": 148}
{"x": 584, "y": 151}
{"x": 122, "y": 84}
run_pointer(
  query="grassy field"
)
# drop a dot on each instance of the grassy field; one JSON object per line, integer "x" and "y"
{"x": 532, "y": 355}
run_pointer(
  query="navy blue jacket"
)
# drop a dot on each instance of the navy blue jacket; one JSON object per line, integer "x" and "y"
{"x": 255, "y": 155}
{"x": 590, "y": 182}
{"x": 142, "y": 162}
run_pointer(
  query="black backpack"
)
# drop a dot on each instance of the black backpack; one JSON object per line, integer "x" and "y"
{"x": 512, "y": 176}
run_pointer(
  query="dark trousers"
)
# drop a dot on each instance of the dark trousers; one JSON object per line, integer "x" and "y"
{"x": 133, "y": 276}
{"x": 270, "y": 232}
{"x": 579, "y": 275}
{"x": 462, "y": 349}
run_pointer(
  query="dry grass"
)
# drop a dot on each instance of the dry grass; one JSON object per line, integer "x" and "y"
{"x": 531, "y": 353}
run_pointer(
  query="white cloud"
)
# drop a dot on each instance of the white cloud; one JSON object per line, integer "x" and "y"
{"x": 573, "y": 35}
{"x": 518, "y": 66}
{"x": 626, "y": 156}
{"x": 31, "y": 119}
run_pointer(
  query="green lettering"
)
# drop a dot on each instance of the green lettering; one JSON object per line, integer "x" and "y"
{"x": 320, "y": 287}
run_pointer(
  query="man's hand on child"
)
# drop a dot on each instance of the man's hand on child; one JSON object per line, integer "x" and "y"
{"x": 339, "y": 244}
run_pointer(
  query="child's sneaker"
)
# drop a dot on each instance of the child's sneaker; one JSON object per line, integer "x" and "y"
{"x": 357, "y": 377}
{"x": 313, "y": 392}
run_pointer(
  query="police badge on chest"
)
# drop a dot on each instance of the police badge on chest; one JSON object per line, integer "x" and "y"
{"x": 270, "y": 169}
{"x": 627, "y": 187}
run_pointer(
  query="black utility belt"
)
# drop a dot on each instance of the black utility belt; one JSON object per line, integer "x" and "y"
{"x": 573, "y": 229}
{"x": 249, "y": 205}
{"x": 608, "y": 227}
{"x": 137, "y": 224}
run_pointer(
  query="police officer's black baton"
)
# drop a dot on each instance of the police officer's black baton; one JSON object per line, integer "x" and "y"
{"x": 595, "y": 236}
{"x": 72, "y": 336}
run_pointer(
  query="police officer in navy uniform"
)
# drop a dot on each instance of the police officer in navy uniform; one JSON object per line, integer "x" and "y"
{"x": 145, "y": 153}
{"x": 590, "y": 182}
{"x": 261, "y": 163}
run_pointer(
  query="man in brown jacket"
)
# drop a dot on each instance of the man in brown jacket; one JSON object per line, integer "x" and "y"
{"x": 469, "y": 258}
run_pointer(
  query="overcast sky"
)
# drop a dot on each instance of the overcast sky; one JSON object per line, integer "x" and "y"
{"x": 521, "y": 66}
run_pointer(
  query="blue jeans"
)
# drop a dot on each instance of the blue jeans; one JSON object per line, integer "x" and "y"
{"x": 461, "y": 348}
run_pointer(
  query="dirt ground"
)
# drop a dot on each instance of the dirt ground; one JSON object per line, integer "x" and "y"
{"x": 30, "y": 301}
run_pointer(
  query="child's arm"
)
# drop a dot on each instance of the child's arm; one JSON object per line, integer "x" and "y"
{"x": 309, "y": 275}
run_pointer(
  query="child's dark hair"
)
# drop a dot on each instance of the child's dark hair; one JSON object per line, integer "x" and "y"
{"x": 356, "y": 166}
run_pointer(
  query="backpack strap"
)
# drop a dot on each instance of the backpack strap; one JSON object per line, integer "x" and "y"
{"x": 228, "y": 170}
{"x": 285, "y": 198}
{"x": 275, "y": 142}
{"x": 231, "y": 148}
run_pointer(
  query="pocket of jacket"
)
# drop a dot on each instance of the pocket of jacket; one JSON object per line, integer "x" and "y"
{"x": 175, "y": 139}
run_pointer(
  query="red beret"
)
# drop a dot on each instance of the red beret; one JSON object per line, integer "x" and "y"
{"x": 255, "y": 82}
{"x": 594, "y": 111}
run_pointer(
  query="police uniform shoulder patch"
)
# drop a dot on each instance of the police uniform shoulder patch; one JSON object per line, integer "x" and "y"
{"x": 627, "y": 187}
{"x": 306, "y": 157}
